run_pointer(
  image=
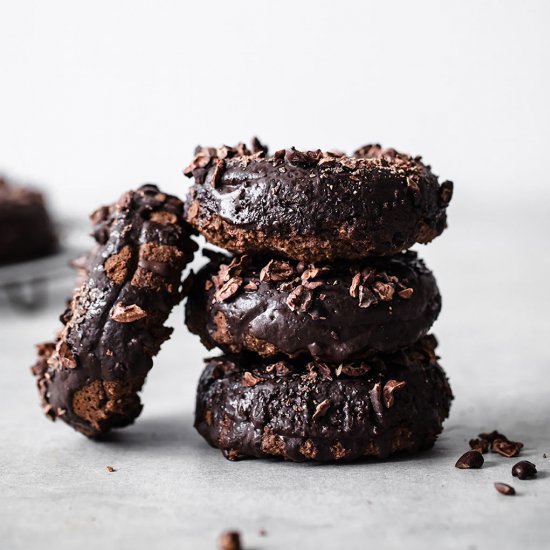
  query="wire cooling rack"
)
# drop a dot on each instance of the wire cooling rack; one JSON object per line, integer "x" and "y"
{"x": 25, "y": 283}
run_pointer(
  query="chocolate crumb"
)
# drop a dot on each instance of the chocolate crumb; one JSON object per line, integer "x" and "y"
{"x": 300, "y": 299}
{"x": 505, "y": 489}
{"x": 277, "y": 270}
{"x": 470, "y": 460}
{"x": 366, "y": 297}
{"x": 355, "y": 283}
{"x": 350, "y": 370}
{"x": 127, "y": 314}
{"x": 250, "y": 380}
{"x": 321, "y": 409}
{"x": 230, "y": 540}
{"x": 480, "y": 445}
{"x": 490, "y": 437}
{"x": 406, "y": 293}
{"x": 217, "y": 172}
{"x": 384, "y": 291}
{"x": 228, "y": 289}
{"x": 262, "y": 532}
{"x": 389, "y": 388}
{"x": 524, "y": 470}
{"x": 110, "y": 469}
{"x": 508, "y": 449}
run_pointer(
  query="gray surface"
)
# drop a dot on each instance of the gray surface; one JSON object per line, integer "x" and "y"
{"x": 172, "y": 491}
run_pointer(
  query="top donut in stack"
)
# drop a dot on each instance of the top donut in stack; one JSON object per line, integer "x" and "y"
{"x": 315, "y": 206}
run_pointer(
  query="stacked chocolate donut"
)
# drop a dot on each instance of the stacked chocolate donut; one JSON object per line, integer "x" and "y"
{"x": 321, "y": 312}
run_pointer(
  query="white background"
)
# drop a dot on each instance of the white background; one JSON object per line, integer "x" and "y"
{"x": 97, "y": 97}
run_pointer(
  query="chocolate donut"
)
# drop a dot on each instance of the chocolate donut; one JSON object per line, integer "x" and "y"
{"x": 89, "y": 377}
{"x": 26, "y": 230}
{"x": 315, "y": 205}
{"x": 334, "y": 312}
{"x": 316, "y": 411}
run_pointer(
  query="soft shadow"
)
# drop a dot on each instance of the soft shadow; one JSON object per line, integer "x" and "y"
{"x": 161, "y": 433}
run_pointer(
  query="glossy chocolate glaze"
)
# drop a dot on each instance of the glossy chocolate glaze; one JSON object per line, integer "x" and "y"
{"x": 314, "y": 205}
{"x": 89, "y": 377}
{"x": 315, "y": 411}
{"x": 335, "y": 326}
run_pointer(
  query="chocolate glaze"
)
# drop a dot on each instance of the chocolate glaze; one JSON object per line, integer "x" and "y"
{"x": 26, "y": 230}
{"x": 314, "y": 411}
{"x": 89, "y": 377}
{"x": 335, "y": 326}
{"x": 313, "y": 205}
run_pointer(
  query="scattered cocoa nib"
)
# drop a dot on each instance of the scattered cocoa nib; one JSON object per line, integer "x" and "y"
{"x": 389, "y": 388}
{"x": 127, "y": 314}
{"x": 366, "y": 297}
{"x": 506, "y": 448}
{"x": 412, "y": 183}
{"x": 303, "y": 159}
{"x": 321, "y": 368}
{"x": 163, "y": 217}
{"x": 229, "y": 540}
{"x": 66, "y": 356}
{"x": 406, "y": 293}
{"x": 280, "y": 368}
{"x": 262, "y": 532}
{"x": 310, "y": 273}
{"x": 217, "y": 173}
{"x": 384, "y": 291}
{"x": 498, "y": 443}
{"x": 287, "y": 286}
{"x": 233, "y": 269}
{"x": 300, "y": 299}
{"x": 325, "y": 370}
{"x": 250, "y": 286}
{"x": 321, "y": 409}
{"x": 470, "y": 460}
{"x": 228, "y": 289}
{"x": 445, "y": 193}
{"x": 249, "y": 379}
{"x": 110, "y": 469}
{"x": 277, "y": 270}
{"x": 355, "y": 283}
{"x": 480, "y": 445}
{"x": 505, "y": 489}
{"x": 367, "y": 275}
{"x": 258, "y": 146}
{"x": 524, "y": 470}
{"x": 358, "y": 288}
{"x": 202, "y": 159}
{"x": 312, "y": 285}
{"x": 491, "y": 436}
{"x": 349, "y": 370}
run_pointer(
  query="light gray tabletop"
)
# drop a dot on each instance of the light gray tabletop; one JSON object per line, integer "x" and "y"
{"x": 172, "y": 491}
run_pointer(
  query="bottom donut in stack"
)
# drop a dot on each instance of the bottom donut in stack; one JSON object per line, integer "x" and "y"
{"x": 324, "y": 362}
{"x": 308, "y": 410}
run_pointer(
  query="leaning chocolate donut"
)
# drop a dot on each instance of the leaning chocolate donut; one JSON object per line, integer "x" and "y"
{"x": 334, "y": 312}
{"x": 313, "y": 205}
{"x": 316, "y": 411}
{"x": 89, "y": 377}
